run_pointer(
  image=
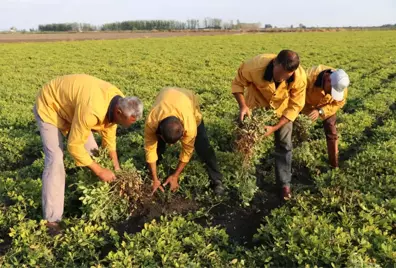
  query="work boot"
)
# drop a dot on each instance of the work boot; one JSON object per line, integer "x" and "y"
{"x": 53, "y": 228}
{"x": 286, "y": 193}
{"x": 332, "y": 151}
{"x": 217, "y": 187}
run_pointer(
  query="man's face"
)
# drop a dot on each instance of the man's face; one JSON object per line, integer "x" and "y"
{"x": 123, "y": 120}
{"x": 327, "y": 83}
{"x": 280, "y": 74}
{"x": 162, "y": 138}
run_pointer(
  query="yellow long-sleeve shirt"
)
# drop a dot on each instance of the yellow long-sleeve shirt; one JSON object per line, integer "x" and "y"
{"x": 77, "y": 104}
{"x": 317, "y": 98}
{"x": 287, "y": 99}
{"x": 178, "y": 102}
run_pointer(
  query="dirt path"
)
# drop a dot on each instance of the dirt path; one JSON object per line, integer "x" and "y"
{"x": 52, "y": 37}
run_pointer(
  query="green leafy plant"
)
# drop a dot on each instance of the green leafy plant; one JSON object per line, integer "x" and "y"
{"x": 345, "y": 219}
{"x": 174, "y": 242}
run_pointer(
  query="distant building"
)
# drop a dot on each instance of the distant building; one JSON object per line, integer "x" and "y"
{"x": 249, "y": 26}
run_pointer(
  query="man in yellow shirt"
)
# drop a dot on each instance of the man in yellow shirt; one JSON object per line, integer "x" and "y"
{"x": 74, "y": 105}
{"x": 176, "y": 116}
{"x": 275, "y": 82}
{"x": 326, "y": 94}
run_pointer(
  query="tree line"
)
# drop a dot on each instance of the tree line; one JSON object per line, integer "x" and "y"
{"x": 165, "y": 25}
{"x": 147, "y": 25}
{"x": 67, "y": 27}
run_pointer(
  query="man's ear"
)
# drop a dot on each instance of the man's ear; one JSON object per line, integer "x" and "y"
{"x": 119, "y": 112}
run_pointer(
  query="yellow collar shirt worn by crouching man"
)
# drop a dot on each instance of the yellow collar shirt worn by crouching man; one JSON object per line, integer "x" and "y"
{"x": 326, "y": 94}
{"x": 275, "y": 82}
{"x": 176, "y": 116}
{"x": 74, "y": 105}
{"x": 328, "y": 103}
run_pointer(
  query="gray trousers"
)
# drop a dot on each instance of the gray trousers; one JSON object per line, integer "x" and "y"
{"x": 283, "y": 154}
{"x": 54, "y": 175}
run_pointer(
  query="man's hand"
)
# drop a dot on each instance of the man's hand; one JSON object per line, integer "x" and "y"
{"x": 243, "y": 111}
{"x": 156, "y": 185}
{"x": 243, "y": 108}
{"x": 314, "y": 115}
{"x": 173, "y": 181}
{"x": 106, "y": 175}
{"x": 269, "y": 130}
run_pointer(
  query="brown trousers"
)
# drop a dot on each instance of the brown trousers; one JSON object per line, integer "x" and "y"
{"x": 330, "y": 129}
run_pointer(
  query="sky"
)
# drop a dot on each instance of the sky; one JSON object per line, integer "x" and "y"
{"x": 26, "y": 14}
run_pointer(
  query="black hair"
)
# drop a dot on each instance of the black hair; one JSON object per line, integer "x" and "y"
{"x": 171, "y": 129}
{"x": 288, "y": 59}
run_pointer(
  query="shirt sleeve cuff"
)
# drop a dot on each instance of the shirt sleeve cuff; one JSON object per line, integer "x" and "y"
{"x": 84, "y": 163}
{"x": 237, "y": 89}
{"x": 185, "y": 158}
{"x": 151, "y": 157}
{"x": 290, "y": 115}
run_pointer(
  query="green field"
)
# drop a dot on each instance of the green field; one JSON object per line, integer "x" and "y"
{"x": 338, "y": 218}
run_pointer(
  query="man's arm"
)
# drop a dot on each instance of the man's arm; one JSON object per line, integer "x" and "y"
{"x": 188, "y": 142}
{"x": 104, "y": 174}
{"x": 332, "y": 108}
{"x": 150, "y": 147}
{"x": 114, "y": 158}
{"x": 297, "y": 96}
{"x": 109, "y": 142}
{"x": 271, "y": 129}
{"x": 241, "y": 80}
{"x": 243, "y": 108}
{"x": 79, "y": 132}
{"x": 173, "y": 179}
{"x": 295, "y": 105}
{"x": 156, "y": 181}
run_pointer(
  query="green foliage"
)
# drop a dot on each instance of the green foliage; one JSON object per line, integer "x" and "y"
{"x": 302, "y": 129}
{"x": 346, "y": 219}
{"x": 174, "y": 242}
{"x": 15, "y": 146}
{"x": 250, "y": 147}
{"x": 79, "y": 246}
{"x": 19, "y": 199}
{"x": 100, "y": 203}
{"x": 110, "y": 202}
{"x": 335, "y": 227}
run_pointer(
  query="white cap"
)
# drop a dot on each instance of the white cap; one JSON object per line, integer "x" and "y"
{"x": 339, "y": 82}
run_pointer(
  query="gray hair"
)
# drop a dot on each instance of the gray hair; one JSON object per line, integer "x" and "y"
{"x": 131, "y": 106}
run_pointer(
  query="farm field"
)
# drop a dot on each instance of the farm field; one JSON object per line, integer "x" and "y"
{"x": 51, "y": 37}
{"x": 336, "y": 218}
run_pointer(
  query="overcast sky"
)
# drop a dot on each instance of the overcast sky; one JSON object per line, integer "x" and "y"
{"x": 25, "y": 14}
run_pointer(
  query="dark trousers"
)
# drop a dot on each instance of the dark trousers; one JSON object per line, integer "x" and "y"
{"x": 283, "y": 154}
{"x": 204, "y": 151}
